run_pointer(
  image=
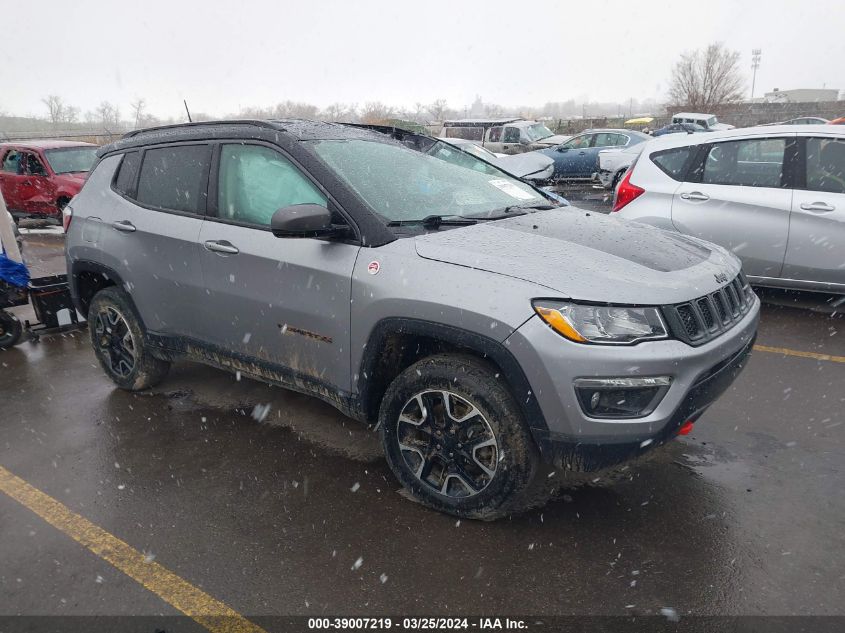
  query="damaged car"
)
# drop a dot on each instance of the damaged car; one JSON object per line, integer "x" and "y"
{"x": 489, "y": 333}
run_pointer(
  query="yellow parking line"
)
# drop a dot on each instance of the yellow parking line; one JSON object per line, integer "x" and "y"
{"x": 794, "y": 352}
{"x": 210, "y": 613}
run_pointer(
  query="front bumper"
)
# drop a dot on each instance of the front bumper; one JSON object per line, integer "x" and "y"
{"x": 699, "y": 376}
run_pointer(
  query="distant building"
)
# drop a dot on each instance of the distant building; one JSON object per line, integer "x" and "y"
{"x": 477, "y": 110}
{"x": 802, "y": 95}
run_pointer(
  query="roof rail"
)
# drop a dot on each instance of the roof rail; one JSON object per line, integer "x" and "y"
{"x": 258, "y": 122}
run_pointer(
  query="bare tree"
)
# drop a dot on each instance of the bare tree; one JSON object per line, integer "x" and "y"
{"x": 105, "y": 114}
{"x": 340, "y": 112}
{"x": 55, "y": 107}
{"x": 294, "y": 110}
{"x": 70, "y": 114}
{"x": 375, "y": 112}
{"x": 706, "y": 78}
{"x": 437, "y": 109}
{"x": 419, "y": 110}
{"x": 137, "y": 107}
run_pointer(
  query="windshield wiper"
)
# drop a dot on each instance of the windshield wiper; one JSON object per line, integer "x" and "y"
{"x": 515, "y": 210}
{"x": 434, "y": 221}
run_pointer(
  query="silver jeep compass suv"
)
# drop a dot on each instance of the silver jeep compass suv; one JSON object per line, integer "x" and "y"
{"x": 486, "y": 329}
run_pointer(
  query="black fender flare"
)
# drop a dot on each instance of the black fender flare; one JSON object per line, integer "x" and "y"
{"x": 85, "y": 266}
{"x": 481, "y": 345}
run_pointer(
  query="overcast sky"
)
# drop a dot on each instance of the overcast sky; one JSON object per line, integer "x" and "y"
{"x": 222, "y": 56}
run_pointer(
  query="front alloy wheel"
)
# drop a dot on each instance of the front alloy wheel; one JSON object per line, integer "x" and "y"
{"x": 115, "y": 341}
{"x": 447, "y": 443}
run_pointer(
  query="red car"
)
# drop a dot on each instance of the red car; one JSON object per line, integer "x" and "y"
{"x": 38, "y": 178}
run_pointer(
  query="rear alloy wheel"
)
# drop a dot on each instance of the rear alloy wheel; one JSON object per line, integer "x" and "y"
{"x": 115, "y": 341}
{"x": 118, "y": 341}
{"x": 456, "y": 439}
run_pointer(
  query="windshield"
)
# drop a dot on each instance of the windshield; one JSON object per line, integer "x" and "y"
{"x": 401, "y": 184}
{"x": 537, "y": 132}
{"x": 74, "y": 159}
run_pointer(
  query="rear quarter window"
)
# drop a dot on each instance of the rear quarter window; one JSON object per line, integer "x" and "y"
{"x": 672, "y": 162}
{"x": 127, "y": 174}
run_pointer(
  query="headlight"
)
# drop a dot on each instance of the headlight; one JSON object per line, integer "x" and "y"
{"x": 610, "y": 325}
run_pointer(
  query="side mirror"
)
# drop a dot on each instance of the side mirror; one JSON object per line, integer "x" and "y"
{"x": 303, "y": 220}
{"x": 562, "y": 149}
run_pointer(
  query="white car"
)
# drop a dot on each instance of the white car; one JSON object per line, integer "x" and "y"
{"x": 613, "y": 163}
{"x": 530, "y": 166}
{"x": 708, "y": 121}
{"x": 775, "y": 196}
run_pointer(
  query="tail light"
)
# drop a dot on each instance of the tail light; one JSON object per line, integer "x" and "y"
{"x": 626, "y": 191}
{"x": 67, "y": 216}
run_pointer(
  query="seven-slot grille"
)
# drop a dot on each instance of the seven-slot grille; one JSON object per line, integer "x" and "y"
{"x": 702, "y": 319}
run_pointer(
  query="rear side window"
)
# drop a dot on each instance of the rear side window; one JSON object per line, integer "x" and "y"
{"x": 12, "y": 162}
{"x": 826, "y": 165}
{"x": 672, "y": 162}
{"x": 748, "y": 163}
{"x": 127, "y": 174}
{"x": 495, "y": 134}
{"x": 609, "y": 139}
{"x": 174, "y": 178}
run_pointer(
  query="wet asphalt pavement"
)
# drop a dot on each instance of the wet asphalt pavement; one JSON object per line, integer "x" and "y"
{"x": 744, "y": 516}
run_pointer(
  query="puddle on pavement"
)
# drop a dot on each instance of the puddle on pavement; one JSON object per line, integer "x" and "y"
{"x": 714, "y": 463}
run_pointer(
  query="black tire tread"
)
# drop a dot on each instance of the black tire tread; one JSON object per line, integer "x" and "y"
{"x": 149, "y": 370}
{"x": 479, "y": 381}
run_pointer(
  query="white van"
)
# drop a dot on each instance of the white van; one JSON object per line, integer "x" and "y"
{"x": 708, "y": 121}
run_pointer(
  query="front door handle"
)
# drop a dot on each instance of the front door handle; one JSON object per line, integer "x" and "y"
{"x": 695, "y": 195}
{"x": 124, "y": 225}
{"x": 819, "y": 207}
{"x": 581, "y": 153}
{"x": 222, "y": 246}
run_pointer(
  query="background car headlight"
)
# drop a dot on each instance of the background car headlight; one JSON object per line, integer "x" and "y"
{"x": 610, "y": 325}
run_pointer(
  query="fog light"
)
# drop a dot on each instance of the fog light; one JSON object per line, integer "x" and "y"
{"x": 621, "y": 397}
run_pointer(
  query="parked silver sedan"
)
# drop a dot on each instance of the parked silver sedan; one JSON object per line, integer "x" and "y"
{"x": 775, "y": 196}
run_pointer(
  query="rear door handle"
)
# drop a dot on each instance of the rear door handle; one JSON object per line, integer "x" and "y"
{"x": 124, "y": 225}
{"x": 695, "y": 195}
{"x": 820, "y": 207}
{"x": 222, "y": 246}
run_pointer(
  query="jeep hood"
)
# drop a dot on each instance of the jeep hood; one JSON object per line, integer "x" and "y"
{"x": 587, "y": 256}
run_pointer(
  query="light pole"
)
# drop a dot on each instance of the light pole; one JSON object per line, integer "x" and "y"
{"x": 756, "y": 53}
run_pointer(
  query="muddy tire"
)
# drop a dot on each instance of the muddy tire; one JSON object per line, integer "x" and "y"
{"x": 118, "y": 340}
{"x": 456, "y": 439}
{"x": 11, "y": 330}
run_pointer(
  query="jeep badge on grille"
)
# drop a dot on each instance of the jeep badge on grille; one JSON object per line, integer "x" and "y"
{"x": 721, "y": 277}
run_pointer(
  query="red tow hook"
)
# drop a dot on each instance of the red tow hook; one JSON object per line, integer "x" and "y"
{"x": 686, "y": 428}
